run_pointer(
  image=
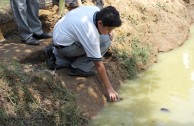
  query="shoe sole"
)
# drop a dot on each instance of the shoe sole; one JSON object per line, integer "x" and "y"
{"x": 35, "y": 43}
{"x": 39, "y": 37}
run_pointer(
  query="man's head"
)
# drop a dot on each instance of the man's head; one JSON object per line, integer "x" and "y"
{"x": 108, "y": 18}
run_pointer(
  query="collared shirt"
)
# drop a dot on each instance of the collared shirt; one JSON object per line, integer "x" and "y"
{"x": 78, "y": 26}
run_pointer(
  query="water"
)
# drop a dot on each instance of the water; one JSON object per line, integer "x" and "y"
{"x": 162, "y": 96}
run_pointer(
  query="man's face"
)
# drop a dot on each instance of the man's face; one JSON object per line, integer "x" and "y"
{"x": 104, "y": 29}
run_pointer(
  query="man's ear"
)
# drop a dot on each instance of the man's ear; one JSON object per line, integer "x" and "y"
{"x": 100, "y": 22}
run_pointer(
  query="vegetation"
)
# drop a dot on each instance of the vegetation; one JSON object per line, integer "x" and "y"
{"x": 33, "y": 95}
{"x": 131, "y": 60}
{"x": 29, "y": 98}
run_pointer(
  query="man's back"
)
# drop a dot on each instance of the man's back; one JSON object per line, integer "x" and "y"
{"x": 78, "y": 25}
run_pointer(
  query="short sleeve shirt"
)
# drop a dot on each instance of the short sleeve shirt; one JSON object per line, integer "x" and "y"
{"x": 78, "y": 26}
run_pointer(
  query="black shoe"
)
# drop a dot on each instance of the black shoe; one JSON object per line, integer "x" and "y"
{"x": 108, "y": 54}
{"x": 43, "y": 36}
{"x": 50, "y": 58}
{"x": 81, "y": 73}
{"x": 31, "y": 41}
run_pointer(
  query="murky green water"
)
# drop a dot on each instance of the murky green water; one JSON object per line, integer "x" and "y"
{"x": 162, "y": 96}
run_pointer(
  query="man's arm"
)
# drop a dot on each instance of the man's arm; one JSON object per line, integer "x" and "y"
{"x": 112, "y": 94}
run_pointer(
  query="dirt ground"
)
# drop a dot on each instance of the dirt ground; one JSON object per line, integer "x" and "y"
{"x": 162, "y": 24}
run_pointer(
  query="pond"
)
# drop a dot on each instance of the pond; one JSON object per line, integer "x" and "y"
{"x": 163, "y": 95}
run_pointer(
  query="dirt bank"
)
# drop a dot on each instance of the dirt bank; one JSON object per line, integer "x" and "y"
{"x": 156, "y": 26}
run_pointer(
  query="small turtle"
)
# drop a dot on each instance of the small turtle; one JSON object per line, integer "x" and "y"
{"x": 164, "y": 110}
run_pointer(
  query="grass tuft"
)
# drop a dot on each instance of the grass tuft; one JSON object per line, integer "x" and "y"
{"x": 30, "y": 98}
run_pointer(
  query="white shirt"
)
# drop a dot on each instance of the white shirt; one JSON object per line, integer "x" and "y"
{"x": 78, "y": 26}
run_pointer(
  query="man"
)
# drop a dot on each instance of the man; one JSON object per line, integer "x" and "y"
{"x": 80, "y": 39}
{"x": 26, "y": 17}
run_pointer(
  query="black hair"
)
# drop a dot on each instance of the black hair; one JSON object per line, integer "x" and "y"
{"x": 109, "y": 16}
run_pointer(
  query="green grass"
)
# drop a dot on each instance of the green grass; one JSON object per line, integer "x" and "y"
{"x": 31, "y": 98}
{"x": 4, "y": 3}
{"x": 130, "y": 60}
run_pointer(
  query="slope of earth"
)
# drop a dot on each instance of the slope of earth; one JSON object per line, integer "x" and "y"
{"x": 156, "y": 25}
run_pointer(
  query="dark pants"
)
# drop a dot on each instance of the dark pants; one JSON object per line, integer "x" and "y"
{"x": 76, "y": 56}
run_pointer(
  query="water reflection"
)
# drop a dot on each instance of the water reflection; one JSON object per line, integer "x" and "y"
{"x": 186, "y": 60}
{"x": 162, "y": 96}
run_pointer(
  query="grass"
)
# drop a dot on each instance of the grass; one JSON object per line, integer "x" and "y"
{"x": 140, "y": 52}
{"x": 29, "y": 98}
{"x": 4, "y": 4}
{"x": 130, "y": 61}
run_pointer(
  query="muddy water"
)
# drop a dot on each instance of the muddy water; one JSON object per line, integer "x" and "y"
{"x": 161, "y": 96}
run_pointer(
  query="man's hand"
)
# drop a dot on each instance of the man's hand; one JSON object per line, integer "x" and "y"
{"x": 112, "y": 95}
